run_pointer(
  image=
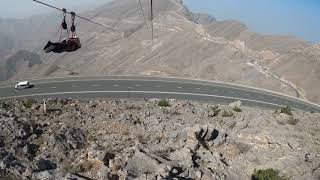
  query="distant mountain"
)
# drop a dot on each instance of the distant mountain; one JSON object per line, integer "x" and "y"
{"x": 17, "y": 63}
{"x": 185, "y": 45}
{"x": 201, "y": 18}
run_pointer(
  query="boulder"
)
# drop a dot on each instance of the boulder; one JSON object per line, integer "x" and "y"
{"x": 30, "y": 149}
{"x": 23, "y": 130}
{"x": 53, "y": 175}
{"x": 35, "y": 107}
{"x": 44, "y": 164}
{"x": 2, "y": 144}
{"x": 141, "y": 164}
{"x": 44, "y": 175}
{"x": 10, "y": 162}
{"x": 95, "y": 152}
{"x": 183, "y": 157}
{"x": 107, "y": 157}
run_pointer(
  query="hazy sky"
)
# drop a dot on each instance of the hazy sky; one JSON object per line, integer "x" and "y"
{"x": 289, "y": 17}
{"x": 24, "y": 8}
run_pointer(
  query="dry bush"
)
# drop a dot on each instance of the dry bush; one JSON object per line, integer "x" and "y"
{"x": 227, "y": 114}
{"x": 163, "y": 103}
{"x": 286, "y": 110}
{"x": 216, "y": 110}
{"x": 292, "y": 121}
{"x": 236, "y": 109}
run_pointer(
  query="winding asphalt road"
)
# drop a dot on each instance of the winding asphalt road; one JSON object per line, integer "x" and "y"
{"x": 149, "y": 87}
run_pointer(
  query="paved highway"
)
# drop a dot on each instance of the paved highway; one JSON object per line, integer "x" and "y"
{"x": 143, "y": 87}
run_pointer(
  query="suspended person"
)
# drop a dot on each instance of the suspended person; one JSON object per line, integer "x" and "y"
{"x": 72, "y": 43}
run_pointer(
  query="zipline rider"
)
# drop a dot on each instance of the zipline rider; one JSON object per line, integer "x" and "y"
{"x": 72, "y": 43}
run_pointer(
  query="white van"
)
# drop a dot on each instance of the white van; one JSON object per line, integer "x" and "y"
{"x": 23, "y": 85}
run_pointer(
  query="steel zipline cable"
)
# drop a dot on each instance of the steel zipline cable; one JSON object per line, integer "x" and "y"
{"x": 151, "y": 3}
{"x": 143, "y": 14}
{"x": 145, "y": 18}
{"x": 84, "y": 18}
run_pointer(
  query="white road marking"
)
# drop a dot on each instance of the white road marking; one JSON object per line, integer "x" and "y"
{"x": 198, "y": 88}
{"x": 138, "y": 85}
{"x": 95, "y": 85}
{"x": 116, "y": 85}
{"x": 145, "y": 92}
{"x": 179, "y": 87}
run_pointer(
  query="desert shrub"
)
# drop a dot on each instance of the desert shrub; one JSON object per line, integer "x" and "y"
{"x": 29, "y": 102}
{"x": 84, "y": 166}
{"x": 236, "y": 109}
{"x": 268, "y": 174}
{"x": 163, "y": 103}
{"x": 39, "y": 141}
{"x": 227, "y": 113}
{"x": 286, "y": 110}
{"x": 216, "y": 110}
{"x": 293, "y": 121}
{"x": 68, "y": 167}
{"x": 4, "y": 105}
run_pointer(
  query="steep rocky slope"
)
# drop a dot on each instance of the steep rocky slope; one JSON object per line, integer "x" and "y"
{"x": 112, "y": 139}
{"x": 185, "y": 45}
{"x": 15, "y": 63}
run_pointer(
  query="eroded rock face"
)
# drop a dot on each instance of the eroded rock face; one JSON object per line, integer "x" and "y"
{"x": 67, "y": 139}
{"x": 136, "y": 139}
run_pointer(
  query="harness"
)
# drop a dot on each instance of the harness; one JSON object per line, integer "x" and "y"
{"x": 64, "y": 25}
{"x": 73, "y": 27}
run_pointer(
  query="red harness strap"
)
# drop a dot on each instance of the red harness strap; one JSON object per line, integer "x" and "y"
{"x": 64, "y": 25}
{"x": 73, "y": 27}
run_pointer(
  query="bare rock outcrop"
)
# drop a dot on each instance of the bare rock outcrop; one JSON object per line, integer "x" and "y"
{"x": 137, "y": 139}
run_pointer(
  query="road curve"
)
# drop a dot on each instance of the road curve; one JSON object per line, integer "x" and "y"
{"x": 148, "y": 87}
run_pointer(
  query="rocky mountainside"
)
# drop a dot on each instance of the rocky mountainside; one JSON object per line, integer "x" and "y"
{"x": 185, "y": 45}
{"x": 15, "y": 63}
{"x": 152, "y": 139}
